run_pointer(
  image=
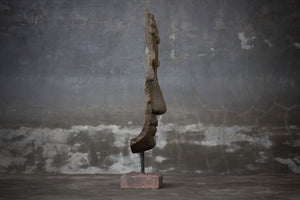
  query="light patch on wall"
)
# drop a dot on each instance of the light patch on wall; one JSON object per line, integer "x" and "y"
{"x": 164, "y": 129}
{"x": 220, "y": 24}
{"x": 20, "y": 143}
{"x": 160, "y": 159}
{"x": 228, "y": 135}
{"x": 246, "y": 42}
{"x": 262, "y": 158}
{"x": 202, "y": 54}
{"x": 120, "y": 133}
{"x": 172, "y": 54}
{"x": 293, "y": 164}
{"x": 64, "y": 150}
{"x": 168, "y": 170}
{"x": 212, "y": 51}
{"x": 78, "y": 163}
{"x": 297, "y": 143}
{"x": 196, "y": 142}
{"x": 51, "y": 152}
{"x": 294, "y": 127}
{"x": 7, "y": 160}
{"x": 125, "y": 163}
{"x": 268, "y": 42}
{"x": 161, "y": 134}
{"x": 172, "y": 36}
{"x": 57, "y": 152}
{"x": 190, "y": 128}
{"x": 251, "y": 167}
{"x": 232, "y": 148}
{"x": 213, "y": 136}
{"x": 297, "y": 45}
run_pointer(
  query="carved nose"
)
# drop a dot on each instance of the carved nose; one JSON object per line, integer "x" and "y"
{"x": 157, "y": 99}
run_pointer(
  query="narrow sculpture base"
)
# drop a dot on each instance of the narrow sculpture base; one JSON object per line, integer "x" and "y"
{"x": 138, "y": 180}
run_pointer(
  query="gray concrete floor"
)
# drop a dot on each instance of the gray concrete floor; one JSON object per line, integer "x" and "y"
{"x": 107, "y": 187}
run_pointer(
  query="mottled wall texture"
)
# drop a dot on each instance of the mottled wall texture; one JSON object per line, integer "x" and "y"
{"x": 72, "y": 79}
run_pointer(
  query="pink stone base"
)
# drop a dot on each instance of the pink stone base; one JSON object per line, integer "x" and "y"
{"x": 138, "y": 180}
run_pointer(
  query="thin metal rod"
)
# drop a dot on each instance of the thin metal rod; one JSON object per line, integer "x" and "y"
{"x": 142, "y": 162}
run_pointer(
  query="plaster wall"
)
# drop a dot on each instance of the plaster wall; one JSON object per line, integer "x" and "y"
{"x": 72, "y": 78}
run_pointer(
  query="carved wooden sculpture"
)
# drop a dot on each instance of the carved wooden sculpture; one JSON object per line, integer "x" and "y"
{"x": 155, "y": 103}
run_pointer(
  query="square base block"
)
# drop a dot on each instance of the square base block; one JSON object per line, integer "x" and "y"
{"x": 138, "y": 180}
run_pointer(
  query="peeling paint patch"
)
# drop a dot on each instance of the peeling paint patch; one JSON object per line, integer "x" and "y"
{"x": 160, "y": 159}
{"x": 6, "y": 160}
{"x": 168, "y": 170}
{"x": 119, "y": 133}
{"x": 202, "y": 54}
{"x": 297, "y": 143}
{"x": 262, "y": 158}
{"x": 294, "y": 127}
{"x": 228, "y": 135}
{"x": 161, "y": 134}
{"x": 78, "y": 163}
{"x": 219, "y": 24}
{"x": 246, "y": 42}
{"x": 125, "y": 163}
{"x": 268, "y": 42}
{"x": 232, "y": 148}
{"x": 190, "y": 128}
{"x": 293, "y": 164}
{"x": 251, "y": 167}
{"x": 59, "y": 155}
{"x": 297, "y": 45}
{"x": 105, "y": 148}
{"x": 212, "y": 51}
{"x": 172, "y": 36}
{"x": 172, "y": 54}
{"x": 214, "y": 136}
{"x": 4, "y": 6}
{"x": 196, "y": 142}
{"x": 51, "y": 152}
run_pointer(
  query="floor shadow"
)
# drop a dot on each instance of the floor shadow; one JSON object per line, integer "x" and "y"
{"x": 171, "y": 185}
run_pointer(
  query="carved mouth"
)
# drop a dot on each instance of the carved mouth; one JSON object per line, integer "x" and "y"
{"x": 153, "y": 130}
{"x": 154, "y": 121}
{"x": 154, "y": 125}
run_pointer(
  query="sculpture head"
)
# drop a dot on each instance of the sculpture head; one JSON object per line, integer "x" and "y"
{"x": 155, "y": 103}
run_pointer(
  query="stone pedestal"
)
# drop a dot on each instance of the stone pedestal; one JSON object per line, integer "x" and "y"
{"x": 138, "y": 180}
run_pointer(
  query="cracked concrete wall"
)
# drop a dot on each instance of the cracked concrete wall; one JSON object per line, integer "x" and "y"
{"x": 72, "y": 78}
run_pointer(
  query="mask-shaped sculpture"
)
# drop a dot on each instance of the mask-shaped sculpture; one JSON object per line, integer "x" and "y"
{"x": 155, "y": 103}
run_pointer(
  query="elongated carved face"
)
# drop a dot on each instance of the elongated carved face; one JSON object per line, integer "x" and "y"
{"x": 155, "y": 103}
{"x": 158, "y": 107}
